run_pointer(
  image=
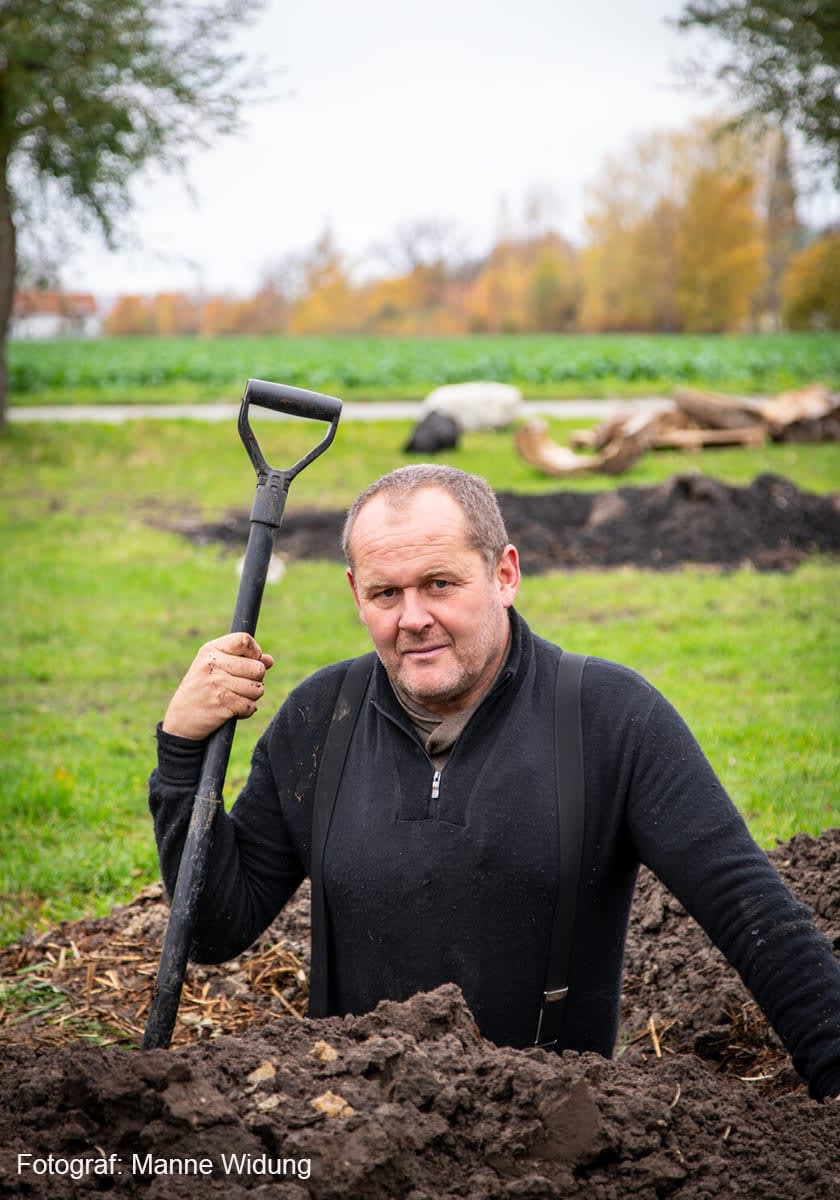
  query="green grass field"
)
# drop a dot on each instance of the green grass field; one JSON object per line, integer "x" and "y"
{"x": 102, "y": 610}
{"x": 172, "y": 370}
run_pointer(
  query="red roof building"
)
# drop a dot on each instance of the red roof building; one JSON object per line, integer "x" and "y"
{"x": 50, "y": 314}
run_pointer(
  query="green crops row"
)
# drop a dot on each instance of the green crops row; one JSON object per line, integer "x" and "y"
{"x": 411, "y": 366}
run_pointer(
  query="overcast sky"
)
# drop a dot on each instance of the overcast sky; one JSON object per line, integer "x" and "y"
{"x": 394, "y": 110}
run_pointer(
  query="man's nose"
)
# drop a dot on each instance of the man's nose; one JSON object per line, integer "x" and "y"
{"x": 414, "y": 615}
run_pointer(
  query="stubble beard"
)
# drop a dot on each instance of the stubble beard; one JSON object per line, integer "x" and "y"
{"x": 457, "y": 683}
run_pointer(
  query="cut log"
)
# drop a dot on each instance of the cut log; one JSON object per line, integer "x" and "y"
{"x": 623, "y": 451}
{"x": 538, "y": 450}
{"x": 583, "y": 439}
{"x": 613, "y": 426}
{"x": 716, "y": 411}
{"x": 817, "y": 429}
{"x": 696, "y": 439}
{"x": 800, "y": 414}
{"x": 628, "y": 422}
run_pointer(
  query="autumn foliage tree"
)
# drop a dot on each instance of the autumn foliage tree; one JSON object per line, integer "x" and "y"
{"x": 526, "y": 284}
{"x": 687, "y": 230}
{"x": 131, "y": 316}
{"x": 554, "y": 287}
{"x": 327, "y": 303}
{"x": 266, "y": 312}
{"x": 811, "y": 285}
{"x": 678, "y": 234}
{"x": 720, "y": 253}
{"x": 166, "y": 314}
{"x": 628, "y": 261}
{"x": 419, "y": 302}
{"x": 498, "y": 298}
{"x": 175, "y": 314}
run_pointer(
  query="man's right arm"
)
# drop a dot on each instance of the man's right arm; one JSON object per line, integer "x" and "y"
{"x": 254, "y": 867}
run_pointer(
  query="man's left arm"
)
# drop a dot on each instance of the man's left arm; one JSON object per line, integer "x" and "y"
{"x": 688, "y": 831}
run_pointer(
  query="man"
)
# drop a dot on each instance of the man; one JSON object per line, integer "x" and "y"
{"x": 441, "y": 858}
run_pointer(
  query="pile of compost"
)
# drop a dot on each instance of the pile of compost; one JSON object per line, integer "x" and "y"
{"x": 770, "y": 524}
{"x": 407, "y": 1101}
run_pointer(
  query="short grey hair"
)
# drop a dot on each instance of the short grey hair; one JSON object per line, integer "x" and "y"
{"x": 474, "y": 495}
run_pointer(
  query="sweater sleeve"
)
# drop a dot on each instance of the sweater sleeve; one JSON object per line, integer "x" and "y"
{"x": 688, "y": 831}
{"x": 253, "y": 867}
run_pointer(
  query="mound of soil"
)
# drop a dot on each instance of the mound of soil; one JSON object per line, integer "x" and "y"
{"x": 409, "y": 1101}
{"x": 770, "y": 524}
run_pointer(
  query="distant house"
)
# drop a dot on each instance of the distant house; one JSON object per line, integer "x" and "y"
{"x": 42, "y": 314}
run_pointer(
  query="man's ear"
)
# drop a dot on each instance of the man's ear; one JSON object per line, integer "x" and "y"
{"x": 508, "y": 575}
{"x": 354, "y": 590}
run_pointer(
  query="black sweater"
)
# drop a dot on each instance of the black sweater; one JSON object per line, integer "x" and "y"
{"x": 422, "y": 890}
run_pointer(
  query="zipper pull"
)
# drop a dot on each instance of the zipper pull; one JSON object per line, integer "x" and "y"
{"x": 436, "y": 785}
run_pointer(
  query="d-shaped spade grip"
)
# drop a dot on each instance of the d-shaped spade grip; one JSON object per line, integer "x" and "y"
{"x": 266, "y": 515}
{"x": 292, "y": 402}
{"x": 297, "y": 402}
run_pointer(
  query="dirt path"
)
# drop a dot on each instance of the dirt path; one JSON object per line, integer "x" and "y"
{"x": 360, "y": 410}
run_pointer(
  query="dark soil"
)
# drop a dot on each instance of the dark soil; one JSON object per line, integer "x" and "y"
{"x": 770, "y": 524}
{"x": 408, "y": 1101}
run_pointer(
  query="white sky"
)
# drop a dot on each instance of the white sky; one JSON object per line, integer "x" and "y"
{"x": 395, "y": 110}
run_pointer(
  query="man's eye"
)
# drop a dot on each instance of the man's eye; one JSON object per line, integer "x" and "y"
{"x": 387, "y": 593}
{"x": 440, "y": 584}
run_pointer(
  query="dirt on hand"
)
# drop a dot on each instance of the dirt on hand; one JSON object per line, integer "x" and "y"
{"x": 409, "y": 1101}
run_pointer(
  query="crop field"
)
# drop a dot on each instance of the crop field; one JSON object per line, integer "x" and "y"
{"x": 136, "y": 370}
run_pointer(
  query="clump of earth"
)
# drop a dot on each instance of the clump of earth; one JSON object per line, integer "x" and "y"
{"x": 409, "y": 1101}
{"x": 770, "y": 524}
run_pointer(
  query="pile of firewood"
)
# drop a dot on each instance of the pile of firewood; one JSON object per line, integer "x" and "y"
{"x": 692, "y": 420}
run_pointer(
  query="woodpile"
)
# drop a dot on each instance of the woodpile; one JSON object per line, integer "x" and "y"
{"x": 693, "y": 420}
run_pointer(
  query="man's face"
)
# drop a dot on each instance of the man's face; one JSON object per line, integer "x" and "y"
{"x": 436, "y": 615}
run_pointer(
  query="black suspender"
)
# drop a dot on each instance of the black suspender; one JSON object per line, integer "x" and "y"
{"x": 333, "y": 754}
{"x": 569, "y": 788}
{"x": 570, "y": 791}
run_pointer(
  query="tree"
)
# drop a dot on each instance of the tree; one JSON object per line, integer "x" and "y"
{"x": 423, "y": 242}
{"x": 498, "y": 297}
{"x": 783, "y": 230}
{"x": 554, "y": 289}
{"x": 130, "y": 315}
{"x": 811, "y": 285}
{"x": 90, "y": 93}
{"x": 784, "y": 63}
{"x": 268, "y": 310}
{"x": 720, "y": 253}
{"x": 674, "y": 239}
{"x": 328, "y": 302}
{"x": 628, "y": 264}
{"x": 175, "y": 314}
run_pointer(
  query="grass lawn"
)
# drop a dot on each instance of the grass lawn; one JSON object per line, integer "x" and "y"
{"x": 102, "y": 611}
